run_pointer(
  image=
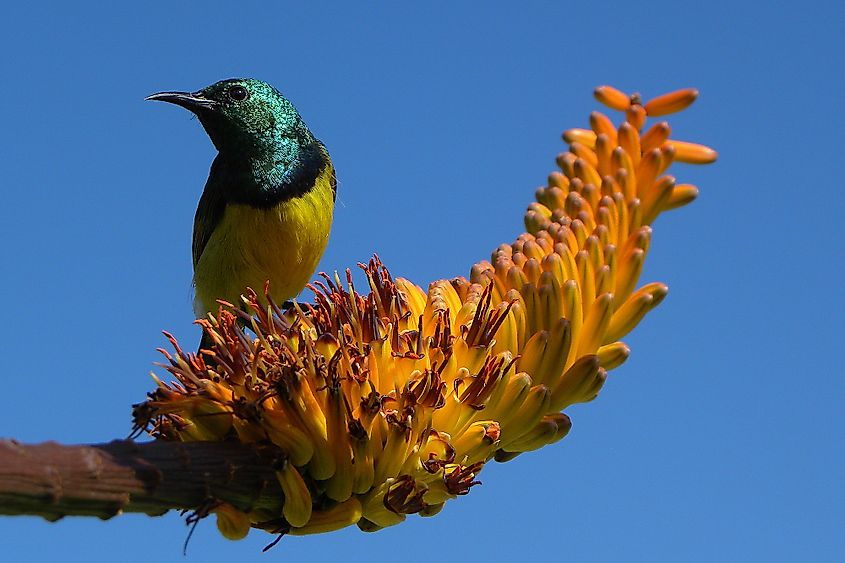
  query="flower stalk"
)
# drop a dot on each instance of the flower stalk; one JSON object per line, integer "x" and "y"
{"x": 389, "y": 403}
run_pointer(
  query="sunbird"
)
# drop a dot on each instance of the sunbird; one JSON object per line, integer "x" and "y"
{"x": 266, "y": 210}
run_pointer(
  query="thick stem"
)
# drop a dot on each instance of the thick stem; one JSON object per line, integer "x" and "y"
{"x": 53, "y": 480}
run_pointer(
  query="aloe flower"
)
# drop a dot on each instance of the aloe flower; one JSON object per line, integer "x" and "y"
{"x": 390, "y": 403}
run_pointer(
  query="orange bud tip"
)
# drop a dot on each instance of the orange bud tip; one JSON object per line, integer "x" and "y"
{"x": 693, "y": 153}
{"x": 635, "y": 115}
{"x": 583, "y": 136}
{"x": 671, "y": 103}
{"x": 612, "y": 98}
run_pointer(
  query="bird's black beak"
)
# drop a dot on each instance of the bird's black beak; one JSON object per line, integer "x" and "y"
{"x": 192, "y": 102}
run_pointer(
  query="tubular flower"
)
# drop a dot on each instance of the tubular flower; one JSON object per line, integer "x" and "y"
{"x": 389, "y": 403}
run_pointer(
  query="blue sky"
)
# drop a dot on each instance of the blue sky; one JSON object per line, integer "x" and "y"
{"x": 720, "y": 439}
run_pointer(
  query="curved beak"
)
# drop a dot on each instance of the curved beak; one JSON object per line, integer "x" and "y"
{"x": 190, "y": 101}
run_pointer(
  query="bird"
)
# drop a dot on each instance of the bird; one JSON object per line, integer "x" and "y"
{"x": 266, "y": 211}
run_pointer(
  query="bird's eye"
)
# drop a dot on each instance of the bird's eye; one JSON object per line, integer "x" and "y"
{"x": 238, "y": 93}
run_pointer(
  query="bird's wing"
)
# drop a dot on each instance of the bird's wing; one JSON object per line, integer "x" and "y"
{"x": 329, "y": 163}
{"x": 210, "y": 211}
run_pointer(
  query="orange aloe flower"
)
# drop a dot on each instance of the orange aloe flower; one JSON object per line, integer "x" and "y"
{"x": 389, "y": 403}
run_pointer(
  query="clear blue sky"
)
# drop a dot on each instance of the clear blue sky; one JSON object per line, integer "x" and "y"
{"x": 720, "y": 439}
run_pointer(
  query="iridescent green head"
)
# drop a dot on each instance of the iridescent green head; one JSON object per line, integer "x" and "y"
{"x": 243, "y": 115}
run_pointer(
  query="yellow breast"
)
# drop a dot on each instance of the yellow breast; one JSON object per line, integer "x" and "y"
{"x": 249, "y": 246}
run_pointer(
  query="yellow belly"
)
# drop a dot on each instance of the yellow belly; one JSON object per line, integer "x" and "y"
{"x": 249, "y": 246}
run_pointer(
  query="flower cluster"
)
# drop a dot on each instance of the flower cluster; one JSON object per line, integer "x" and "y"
{"x": 389, "y": 403}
